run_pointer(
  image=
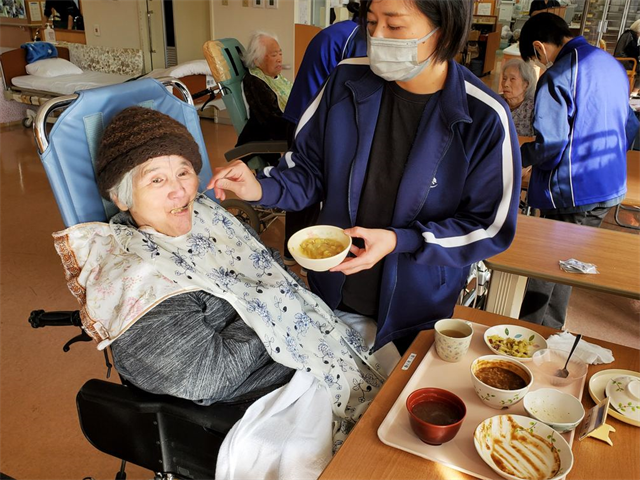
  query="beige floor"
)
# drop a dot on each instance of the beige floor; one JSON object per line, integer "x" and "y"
{"x": 39, "y": 433}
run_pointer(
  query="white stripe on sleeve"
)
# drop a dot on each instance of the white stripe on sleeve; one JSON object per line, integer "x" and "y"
{"x": 288, "y": 157}
{"x": 313, "y": 107}
{"x": 507, "y": 181}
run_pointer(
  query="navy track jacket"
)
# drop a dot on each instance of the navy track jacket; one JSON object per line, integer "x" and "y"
{"x": 583, "y": 126}
{"x": 457, "y": 202}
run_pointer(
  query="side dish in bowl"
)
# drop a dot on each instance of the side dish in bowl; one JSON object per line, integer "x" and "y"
{"x": 500, "y": 381}
{"x": 514, "y": 341}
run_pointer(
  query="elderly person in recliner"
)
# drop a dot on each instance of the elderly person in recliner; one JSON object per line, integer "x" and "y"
{"x": 191, "y": 302}
{"x": 265, "y": 89}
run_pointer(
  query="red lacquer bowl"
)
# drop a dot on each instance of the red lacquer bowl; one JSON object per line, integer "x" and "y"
{"x": 435, "y": 414}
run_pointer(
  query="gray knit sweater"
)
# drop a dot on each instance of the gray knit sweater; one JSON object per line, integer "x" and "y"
{"x": 195, "y": 346}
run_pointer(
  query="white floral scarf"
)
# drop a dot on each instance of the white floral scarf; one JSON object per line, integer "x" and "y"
{"x": 125, "y": 271}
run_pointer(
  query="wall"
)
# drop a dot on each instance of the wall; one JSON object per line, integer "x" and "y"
{"x": 234, "y": 20}
{"x": 12, "y": 36}
{"x": 192, "y": 27}
{"x": 117, "y": 21}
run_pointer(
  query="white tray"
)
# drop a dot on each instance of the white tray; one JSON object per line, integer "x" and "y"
{"x": 459, "y": 453}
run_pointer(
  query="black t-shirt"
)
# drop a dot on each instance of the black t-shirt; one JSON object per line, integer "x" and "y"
{"x": 63, "y": 7}
{"x": 542, "y": 5}
{"x": 398, "y": 120}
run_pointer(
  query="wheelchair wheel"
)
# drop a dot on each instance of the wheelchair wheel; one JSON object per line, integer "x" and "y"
{"x": 243, "y": 212}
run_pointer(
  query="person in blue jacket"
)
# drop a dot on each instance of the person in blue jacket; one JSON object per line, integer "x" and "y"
{"x": 583, "y": 128}
{"x": 413, "y": 156}
{"x": 326, "y": 50}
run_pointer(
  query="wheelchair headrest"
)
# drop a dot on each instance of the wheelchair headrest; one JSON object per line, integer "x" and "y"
{"x": 70, "y": 157}
{"x": 225, "y": 61}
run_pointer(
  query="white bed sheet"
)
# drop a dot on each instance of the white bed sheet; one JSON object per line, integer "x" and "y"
{"x": 68, "y": 84}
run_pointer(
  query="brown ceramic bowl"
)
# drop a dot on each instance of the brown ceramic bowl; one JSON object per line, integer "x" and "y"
{"x": 435, "y": 414}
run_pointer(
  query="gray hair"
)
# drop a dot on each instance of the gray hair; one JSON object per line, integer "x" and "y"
{"x": 527, "y": 73}
{"x": 123, "y": 190}
{"x": 256, "y": 50}
{"x": 635, "y": 26}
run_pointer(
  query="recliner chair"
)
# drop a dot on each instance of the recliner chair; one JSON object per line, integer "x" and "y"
{"x": 225, "y": 61}
{"x": 171, "y": 436}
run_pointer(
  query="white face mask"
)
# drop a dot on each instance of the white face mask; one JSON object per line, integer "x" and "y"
{"x": 538, "y": 60}
{"x": 396, "y": 59}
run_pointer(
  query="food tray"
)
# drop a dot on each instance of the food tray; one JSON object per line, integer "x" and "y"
{"x": 459, "y": 453}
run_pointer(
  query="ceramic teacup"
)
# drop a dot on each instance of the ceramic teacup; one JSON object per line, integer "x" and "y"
{"x": 453, "y": 337}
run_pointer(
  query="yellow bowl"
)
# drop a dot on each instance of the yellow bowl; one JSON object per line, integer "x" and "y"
{"x": 319, "y": 231}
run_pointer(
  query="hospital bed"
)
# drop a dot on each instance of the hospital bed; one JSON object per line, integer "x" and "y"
{"x": 101, "y": 66}
{"x": 36, "y": 90}
{"x": 170, "y": 436}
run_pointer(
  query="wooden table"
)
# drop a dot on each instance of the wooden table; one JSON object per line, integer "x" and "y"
{"x": 364, "y": 456}
{"x": 540, "y": 243}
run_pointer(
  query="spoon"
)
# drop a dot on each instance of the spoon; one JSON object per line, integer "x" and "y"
{"x": 563, "y": 372}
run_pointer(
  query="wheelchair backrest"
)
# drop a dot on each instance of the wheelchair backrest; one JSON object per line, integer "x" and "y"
{"x": 225, "y": 61}
{"x": 69, "y": 154}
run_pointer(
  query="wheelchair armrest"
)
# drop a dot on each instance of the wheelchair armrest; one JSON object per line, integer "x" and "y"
{"x": 256, "y": 148}
{"x": 112, "y": 396}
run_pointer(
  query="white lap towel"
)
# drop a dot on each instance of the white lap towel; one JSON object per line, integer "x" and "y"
{"x": 286, "y": 434}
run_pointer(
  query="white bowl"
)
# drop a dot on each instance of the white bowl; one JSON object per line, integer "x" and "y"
{"x": 319, "y": 231}
{"x": 497, "y": 397}
{"x": 536, "y": 443}
{"x": 515, "y": 333}
{"x": 561, "y": 411}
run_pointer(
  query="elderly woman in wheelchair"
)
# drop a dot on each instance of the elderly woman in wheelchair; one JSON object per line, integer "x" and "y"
{"x": 148, "y": 166}
{"x": 193, "y": 304}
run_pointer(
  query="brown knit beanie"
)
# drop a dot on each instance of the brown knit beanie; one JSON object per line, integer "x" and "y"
{"x": 138, "y": 134}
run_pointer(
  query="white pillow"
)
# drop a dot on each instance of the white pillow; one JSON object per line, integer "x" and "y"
{"x": 194, "y": 67}
{"x": 52, "y": 67}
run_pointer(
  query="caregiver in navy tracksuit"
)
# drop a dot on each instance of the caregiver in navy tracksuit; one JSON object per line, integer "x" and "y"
{"x": 584, "y": 127}
{"x": 413, "y": 156}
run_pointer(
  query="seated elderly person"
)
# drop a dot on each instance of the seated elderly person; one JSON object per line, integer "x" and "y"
{"x": 518, "y": 89}
{"x": 191, "y": 302}
{"x": 265, "y": 89}
{"x": 628, "y": 46}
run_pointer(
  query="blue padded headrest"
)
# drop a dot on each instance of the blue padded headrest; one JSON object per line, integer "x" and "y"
{"x": 75, "y": 137}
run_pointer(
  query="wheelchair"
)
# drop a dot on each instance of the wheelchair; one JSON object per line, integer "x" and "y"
{"x": 173, "y": 437}
{"x": 225, "y": 61}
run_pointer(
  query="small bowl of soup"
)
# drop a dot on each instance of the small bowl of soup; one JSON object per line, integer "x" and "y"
{"x": 320, "y": 247}
{"x": 435, "y": 415}
{"x": 500, "y": 381}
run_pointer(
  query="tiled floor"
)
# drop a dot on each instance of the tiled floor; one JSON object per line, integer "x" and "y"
{"x": 39, "y": 433}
